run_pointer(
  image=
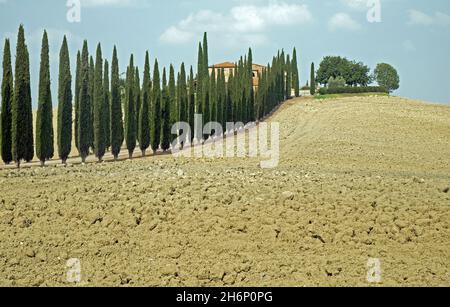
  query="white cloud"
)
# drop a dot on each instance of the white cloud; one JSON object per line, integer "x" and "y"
{"x": 242, "y": 24}
{"x": 343, "y": 21}
{"x": 419, "y": 18}
{"x": 422, "y": 19}
{"x": 173, "y": 35}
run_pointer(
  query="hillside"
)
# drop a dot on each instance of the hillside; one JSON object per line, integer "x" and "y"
{"x": 359, "y": 178}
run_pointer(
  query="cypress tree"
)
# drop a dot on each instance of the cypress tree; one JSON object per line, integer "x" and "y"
{"x": 155, "y": 135}
{"x": 99, "y": 101}
{"x": 229, "y": 102}
{"x": 44, "y": 118}
{"x": 240, "y": 92}
{"x": 282, "y": 71}
{"x": 22, "y": 116}
{"x": 7, "y": 100}
{"x": 313, "y": 80}
{"x": 84, "y": 107}
{"x": 130, "y": 116}
{"x": 213, "y": 95}
{"x": 259, "y": 100}
{"x": 199, "y": 102}
{"x": 289, "y": 77}
{"x": 106, "y": 115}
{"x": 136, "y": 99}
{"x": 144, "y": 116}
{"x": 251, "y": 91}
{"x": 206, "y": 108}
{"x": 172, "y": 90}
{"x": 191, "y": 108}
{"x": 224, "y": 100}
{"x": 183, "y": 95}
{"x": 183, "y": 99}
{"x": 166, "y": 101}
{"x": 205, "y": 56}
{"x": 64, "y": 104}
{"x": 77, "y": 96}
{"x": 91, "y": 101}
{"x": 295, "y": 74}
{"x": 220, "y": 98}
{"x": 116, "y": 109}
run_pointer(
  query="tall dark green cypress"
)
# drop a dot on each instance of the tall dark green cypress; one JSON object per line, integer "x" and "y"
{"x": 166, "y": 102}
{"x": 221, "y": 99}
{"x": 64, "y": 104}
{"x": 84, "y": 108}
{"x": 251, "y": 95}
{"x": 191, "y": 103}
{"x": 22, "y": 116}
{"x": 116, "y": 108}
{"x": 183, "y": 117}
{"x": 172, "y": 91}
{"x": 182, "y": 99}
{"x": 213, "y": 95}
{"x": 199, "y": 100}
{"x": 229, "y": 101}
{"x": 282, "y": 69}
{"x": 7, "y": 100}
{"x": 44, "y": 118}
{"x": 313, "y": 80}
{"x": 137, "y": 99}
{"x": 205, "y": 56}
{"x": 206, "y": 107}
{"x": 99, "y": 100}
{"x": 77, "y": 96}
{"x": 240, "y": 91}
{"x": 130, "y": 115}
{"x": 295, "y": 74}
{"x": 91, "y": 100}
{"x": 155, "y": 135}
{"x": 289, "y": 77}
{"x": 144, "y": 114}
{"x": 106, "y": 115}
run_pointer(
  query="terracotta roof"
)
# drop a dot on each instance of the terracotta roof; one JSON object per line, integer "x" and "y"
{"x": 224, "y": 65}
{"x": 233, "y": 65}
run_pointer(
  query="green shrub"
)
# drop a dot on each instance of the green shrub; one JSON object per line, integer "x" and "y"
{"x": 352, "y": 90}
{"x": 336, "y": 82}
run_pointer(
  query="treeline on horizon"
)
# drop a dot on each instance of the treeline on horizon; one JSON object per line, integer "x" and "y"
{"x": 105, "y": 111}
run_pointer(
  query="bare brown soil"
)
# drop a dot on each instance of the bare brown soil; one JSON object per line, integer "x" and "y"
{"x": 359, "y": 178}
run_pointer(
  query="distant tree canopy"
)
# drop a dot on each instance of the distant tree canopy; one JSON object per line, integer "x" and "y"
{"x": 387, "y": 77}
{"x": 354, "y": 73}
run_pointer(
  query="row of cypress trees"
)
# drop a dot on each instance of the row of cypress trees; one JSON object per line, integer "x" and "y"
{"x": 105, "y": 111}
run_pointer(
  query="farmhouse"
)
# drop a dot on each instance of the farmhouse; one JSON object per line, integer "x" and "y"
{"x": 229, "y": 67}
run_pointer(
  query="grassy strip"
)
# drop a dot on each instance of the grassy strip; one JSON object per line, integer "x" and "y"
{"x": 333, "y": 96}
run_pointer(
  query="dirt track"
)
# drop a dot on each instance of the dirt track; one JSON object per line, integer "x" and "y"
{"x": 359, "y": 178}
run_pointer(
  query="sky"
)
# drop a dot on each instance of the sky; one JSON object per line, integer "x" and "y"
{"x": 411, "y": 35}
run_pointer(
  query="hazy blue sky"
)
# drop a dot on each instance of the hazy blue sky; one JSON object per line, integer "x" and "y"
{"x": 413, "y": 35}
